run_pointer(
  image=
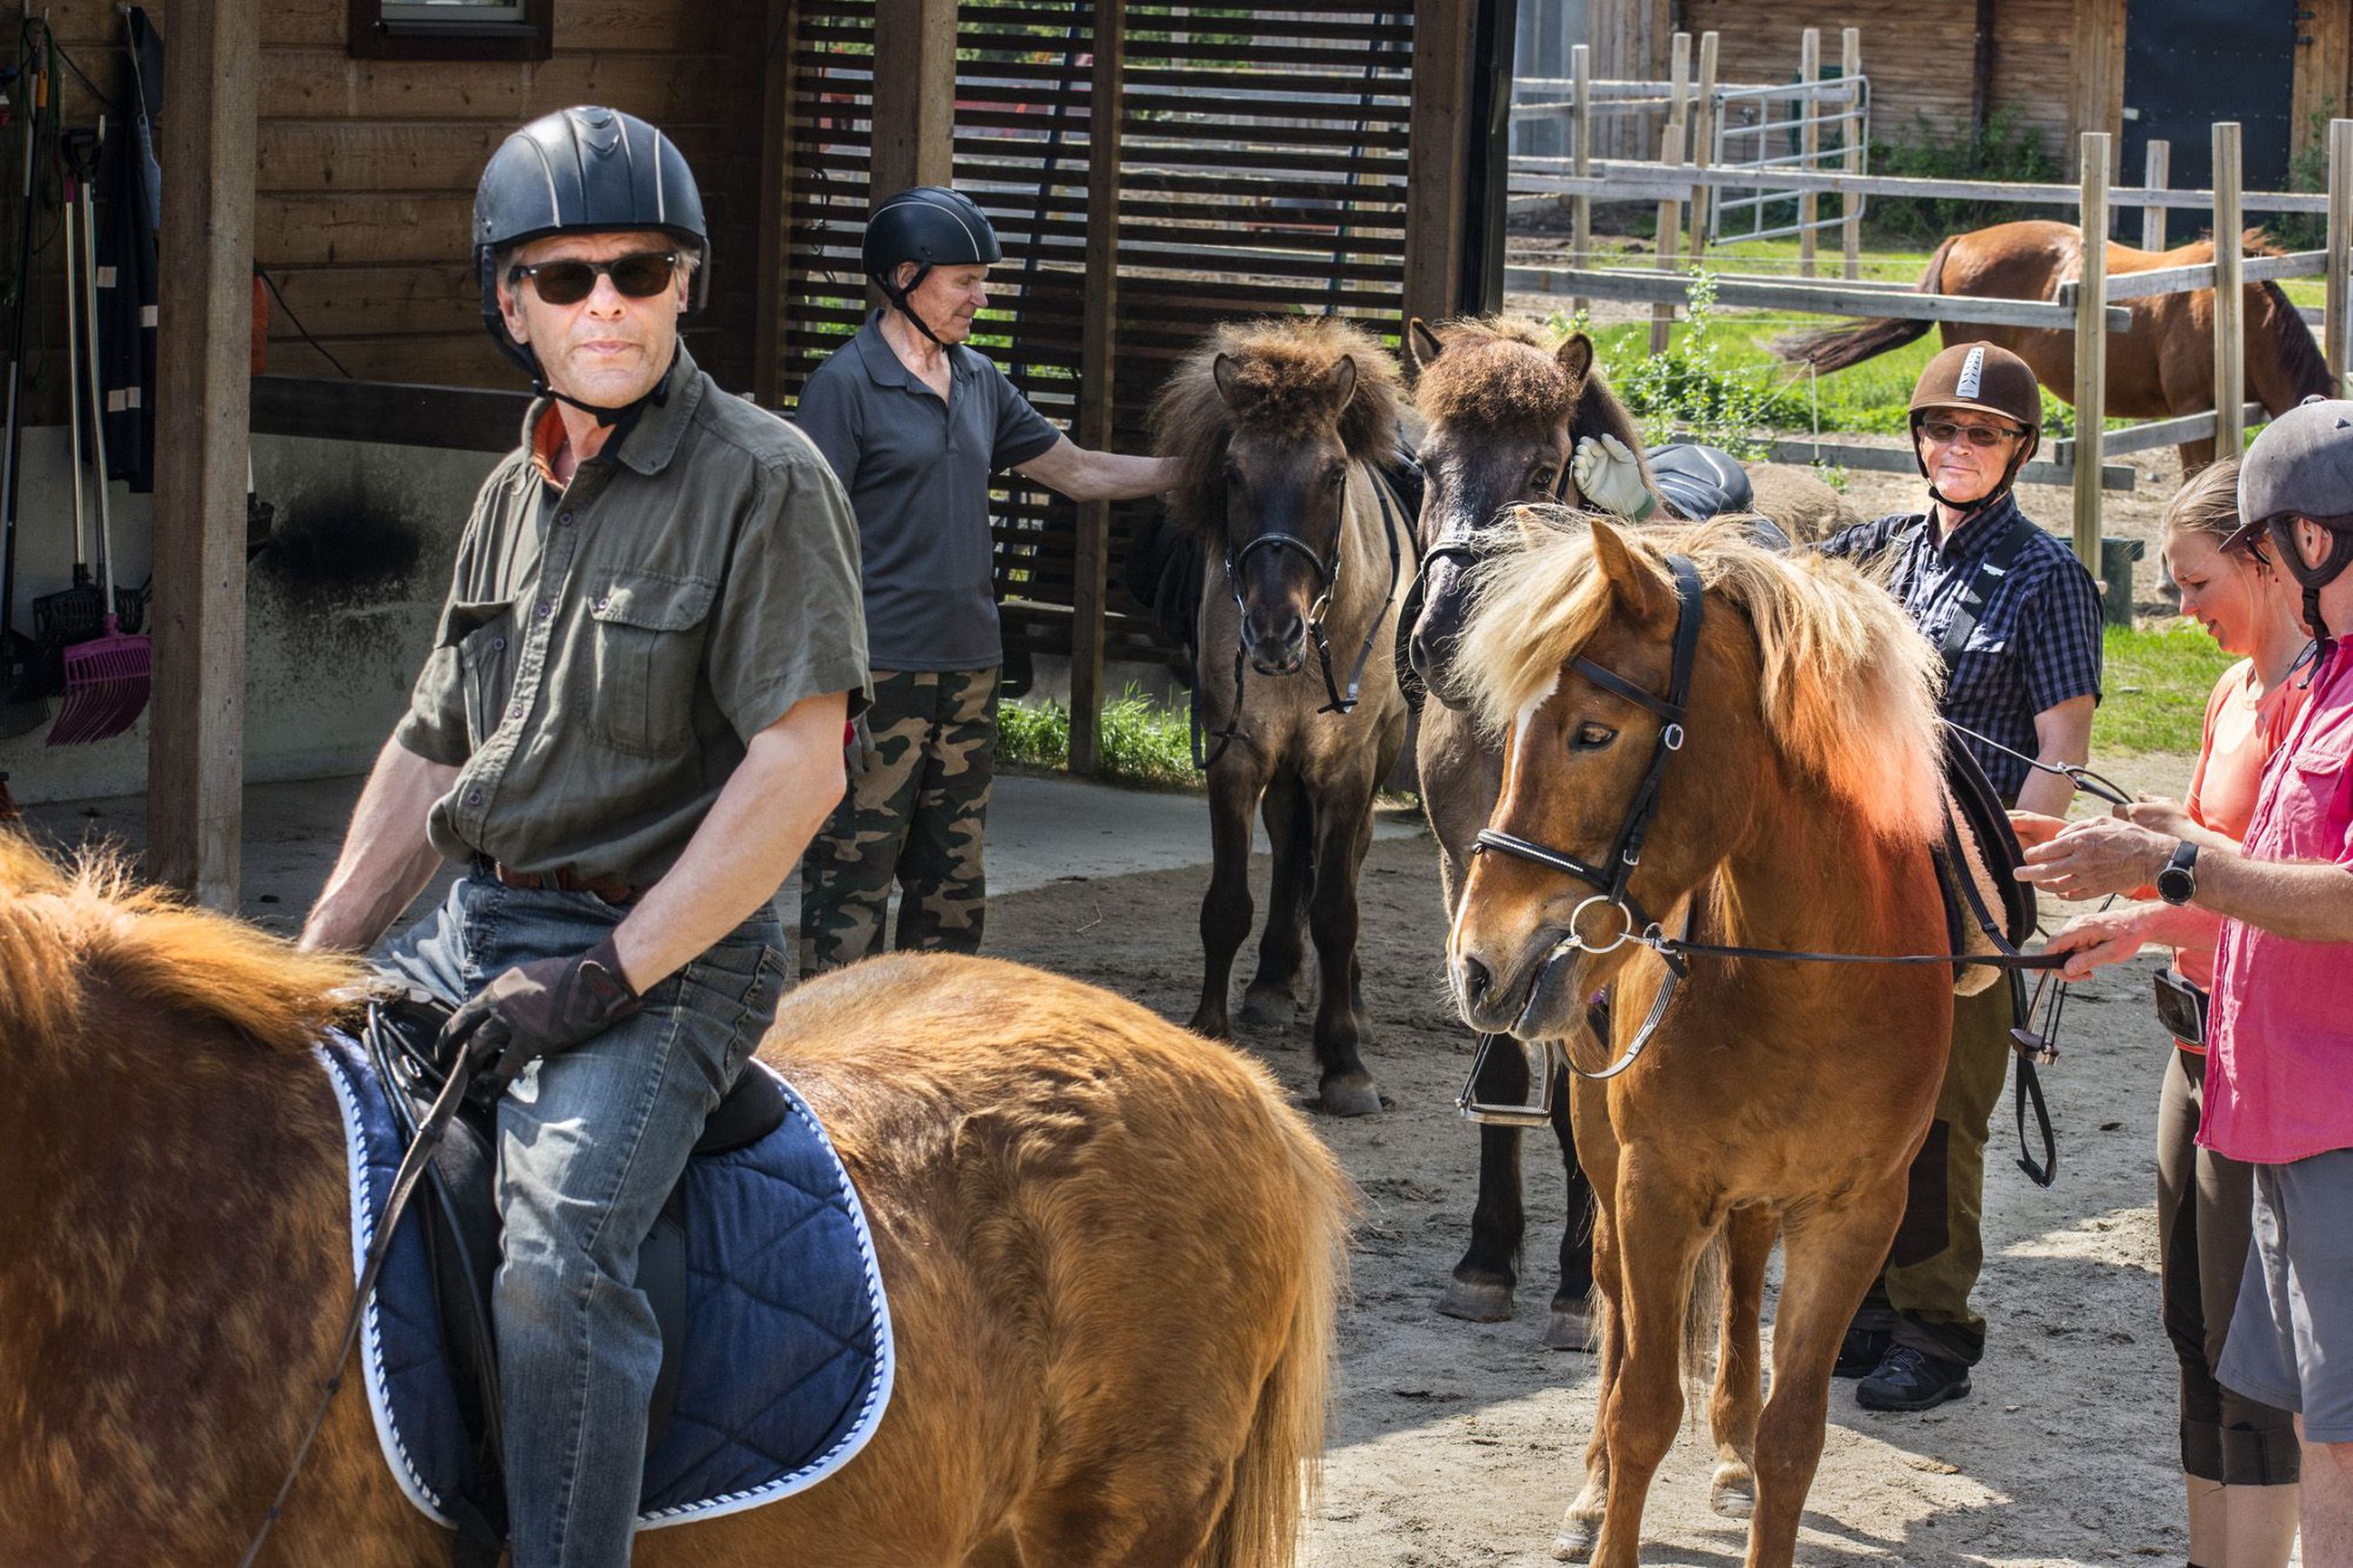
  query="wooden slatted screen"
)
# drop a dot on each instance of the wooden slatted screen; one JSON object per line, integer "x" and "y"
{"x": 1264, "y": 173}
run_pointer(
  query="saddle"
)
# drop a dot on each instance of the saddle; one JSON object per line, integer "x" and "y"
{"x": 463, "y": 1238}
{"x": 1987, "y": 909}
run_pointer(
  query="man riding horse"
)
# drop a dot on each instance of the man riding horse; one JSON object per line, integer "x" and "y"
{"x": 628, "y": 729}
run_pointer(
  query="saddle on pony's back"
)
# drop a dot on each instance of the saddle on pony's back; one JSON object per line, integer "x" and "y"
{"x": 1987, "y": 909}
{"x": 776, "y": 1357}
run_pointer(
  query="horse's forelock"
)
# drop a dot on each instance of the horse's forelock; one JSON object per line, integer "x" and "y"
{"x": 1496, "y": 373}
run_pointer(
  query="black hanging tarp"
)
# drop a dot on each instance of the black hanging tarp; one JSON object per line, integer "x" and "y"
{"x": 130, "y": 197}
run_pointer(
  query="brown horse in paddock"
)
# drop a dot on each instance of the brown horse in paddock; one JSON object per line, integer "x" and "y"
{"x": 2162, "y": 367}
{"x": 1281, "y": 427}
{"x": 1765, "y": 1096}
{"x": 1505, "y": 401}
{"x": 1111, "y": 1250}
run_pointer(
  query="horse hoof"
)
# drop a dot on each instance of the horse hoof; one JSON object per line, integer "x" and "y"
{"x": 1733, "y": 1492}
{"x": 1568, "y": 1330}
{"x": 1351, "y": 1097}
{"x": 1268, "y": 1009}
{"x": 1480, "y": 1302}
{"x": 1575, "y": 1541}
{"x": 1210, "y": 1028}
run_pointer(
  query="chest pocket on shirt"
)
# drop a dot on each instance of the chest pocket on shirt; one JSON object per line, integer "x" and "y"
{"x": 2309, "y": 799}
{"x": 482, "y": 632}
{"x": 1977, "y": 668}
{"x": 649, "y": 647}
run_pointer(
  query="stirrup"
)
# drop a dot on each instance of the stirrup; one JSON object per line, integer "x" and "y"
{"x": 1544, "y": 1058}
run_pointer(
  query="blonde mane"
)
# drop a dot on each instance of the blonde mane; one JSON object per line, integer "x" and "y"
{"x": 67, "y": 932}
{"x": 1848, "y": 692}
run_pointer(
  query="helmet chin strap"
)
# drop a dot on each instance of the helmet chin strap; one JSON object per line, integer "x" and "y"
{"x": 2310, "y": 578}
{"x": 1969, "y": 509}
{"x": 898, "y": 297}
{"x": 607, "y": 418}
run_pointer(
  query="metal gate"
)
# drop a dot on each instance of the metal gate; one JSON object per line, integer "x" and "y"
{"x": 2188, "y": 63}
{"x": 1262, "y": 173}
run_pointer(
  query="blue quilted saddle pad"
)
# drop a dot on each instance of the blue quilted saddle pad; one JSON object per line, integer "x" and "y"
{"x": 788, "y": 1338}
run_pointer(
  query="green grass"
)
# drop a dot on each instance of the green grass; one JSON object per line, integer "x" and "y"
{"x": 1145, "y": 742}
{"x": 2156, "y": 685}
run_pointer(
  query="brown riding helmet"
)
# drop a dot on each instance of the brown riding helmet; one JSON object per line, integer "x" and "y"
{"x": 1983, "y": 378}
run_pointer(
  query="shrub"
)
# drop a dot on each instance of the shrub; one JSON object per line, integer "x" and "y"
{"x": 1999, "y": 150}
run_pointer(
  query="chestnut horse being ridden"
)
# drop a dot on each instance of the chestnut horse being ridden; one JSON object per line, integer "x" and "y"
{"x": 1281, "y": 427}
{"x": 1787, "y": 764}
{"x": 2163, "y": 365}
{"x": 1109, "y": 1248}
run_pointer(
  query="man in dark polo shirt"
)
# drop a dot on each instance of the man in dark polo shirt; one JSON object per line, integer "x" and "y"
{"x": 2018, "y": 619}
{"x": 628, "y": 727}
{"x": 915, "y": 423}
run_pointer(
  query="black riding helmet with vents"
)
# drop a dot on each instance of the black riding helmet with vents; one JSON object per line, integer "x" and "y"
{"x": 583, "y": 171}
{"x": 930, "y": 226}
{"x": 1979, "y": 378}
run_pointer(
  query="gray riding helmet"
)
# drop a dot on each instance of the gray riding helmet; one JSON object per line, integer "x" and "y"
{"x": 583, "y": 171}
{"x": 2302, "y": 466}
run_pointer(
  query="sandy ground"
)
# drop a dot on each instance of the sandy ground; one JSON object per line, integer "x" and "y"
{"x": 1460, "y": 1444}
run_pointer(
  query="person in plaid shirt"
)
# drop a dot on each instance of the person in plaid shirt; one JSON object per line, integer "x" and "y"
{"x": 2018, "y": 618}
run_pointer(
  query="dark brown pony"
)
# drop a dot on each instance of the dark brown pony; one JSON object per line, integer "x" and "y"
{"x": 1505, "y": 400}
{"x": 1281, "y": 427}
{"x": 1773, "y": 1097}
{"x": 2162, "y": 367}
{"x": 1111, "y": 1250}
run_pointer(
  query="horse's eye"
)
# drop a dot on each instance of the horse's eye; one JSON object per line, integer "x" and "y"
{"x": 1541, "y": 481}
{"x": 1336, "y": 478}
{"x": 1591, "y": 737}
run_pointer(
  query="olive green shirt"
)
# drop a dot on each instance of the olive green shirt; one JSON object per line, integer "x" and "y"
{"x": 608, "y": 648}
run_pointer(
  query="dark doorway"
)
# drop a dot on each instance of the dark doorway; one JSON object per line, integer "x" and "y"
{"x": 2188, "y": 63}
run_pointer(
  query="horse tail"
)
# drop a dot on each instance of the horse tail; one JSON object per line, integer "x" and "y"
{"x": 1702, "y": 1316}
{"x": 1281, "y": 1466}
{"x": 1835, "y": 347}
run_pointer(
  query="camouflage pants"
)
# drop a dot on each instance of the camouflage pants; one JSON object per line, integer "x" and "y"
{"x": 915, "y": 817}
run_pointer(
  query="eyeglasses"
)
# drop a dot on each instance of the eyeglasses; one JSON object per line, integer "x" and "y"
{"x": 641, "y": 274}
{"x": 1943, "y": 432}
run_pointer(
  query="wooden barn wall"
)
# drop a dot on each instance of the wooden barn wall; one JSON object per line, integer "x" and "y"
{"x": 366, "y": 169}
{"x": 1917, "y": 56}
{"x": 1262, "y": 173}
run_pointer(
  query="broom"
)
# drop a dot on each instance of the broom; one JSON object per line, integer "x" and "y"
{"x": 108, "y": 677}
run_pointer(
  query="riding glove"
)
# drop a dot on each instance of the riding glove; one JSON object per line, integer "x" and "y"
{"x": 539, "y": 1008}
{"x": 1610, "y": 477}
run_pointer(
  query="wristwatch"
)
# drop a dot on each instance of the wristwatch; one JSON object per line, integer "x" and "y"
{"x": 2178, "y": 883}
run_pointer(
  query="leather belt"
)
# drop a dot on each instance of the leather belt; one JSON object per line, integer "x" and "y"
{"x": 612, "y": 890}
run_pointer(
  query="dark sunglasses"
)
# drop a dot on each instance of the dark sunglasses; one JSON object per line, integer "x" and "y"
{"x": 641, "y": 274}
{"x": 1942, "y": 431}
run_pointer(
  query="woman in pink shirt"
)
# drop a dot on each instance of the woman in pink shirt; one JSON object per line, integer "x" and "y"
{"x": 2239, "y": 1455}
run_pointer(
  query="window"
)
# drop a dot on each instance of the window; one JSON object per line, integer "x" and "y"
{"x": 452, "y": 30}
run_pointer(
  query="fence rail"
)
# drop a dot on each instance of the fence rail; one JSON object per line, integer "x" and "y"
{"x": 1804, "y": 298}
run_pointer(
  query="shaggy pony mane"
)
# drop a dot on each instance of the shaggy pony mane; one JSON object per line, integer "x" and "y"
{"x": 1497, "y": 373}
{"x": 1849, "y": 686}
{"x": 66, "y": 931}
{"x": 1284, "y": 370}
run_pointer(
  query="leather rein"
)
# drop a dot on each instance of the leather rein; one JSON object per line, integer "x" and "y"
{"x": 1612, "y": 879}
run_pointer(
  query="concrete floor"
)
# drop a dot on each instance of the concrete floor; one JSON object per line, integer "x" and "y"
{"x": 1040, "y": 830}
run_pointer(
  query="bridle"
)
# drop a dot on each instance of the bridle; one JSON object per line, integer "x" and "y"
{"x": 1328, "y": 583}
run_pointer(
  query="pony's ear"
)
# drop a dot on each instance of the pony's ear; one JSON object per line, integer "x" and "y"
{"x": 1576, "y": 356}
{"x": 1343, "y": 382}
{"x": 1226, "y": 372}
{"x": 1646, "y": 595}
{"x": 1422, "y": 344}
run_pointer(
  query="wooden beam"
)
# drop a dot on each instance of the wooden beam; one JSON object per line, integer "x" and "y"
{"x": 2229, "y": 295}
{"x": 1809, "y": 144}
{"x": 196, "y": 745}
{"x": 1623, "y": 180}
{"x": 1702, "y": 142}
{"x": 2156, "y": 171}
{"x": 915, "y": 94}
{"x": 2335, "y": 339}
{"x": 2091, "y": 346}
{"x": 1741, "y": 293}
{"x": 1437, "y": 199}
{"x": 1580, "y": 151}
{"x": 1670, "y": 224}
{"x": 1851, "y": 137}
{"x": 1098, "y": 379}
{"x": 394, "y": 414}
{"x": 779, "y": 25}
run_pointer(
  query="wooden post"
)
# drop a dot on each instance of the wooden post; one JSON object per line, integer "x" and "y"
{"x": 915, "y": 94}
{"x": 195, "y": 744}
{"x": 1438, "y": 213}
{"x": 1662, "y": 316}
{"x": 1679, "y": 63}
{"x": 1098, "y": 379}
{"x": 2335, "y": 340}
{"x": 2091, "y": 347}
{"x": 2155, "y": 172}
{"x": 775, "y": 204}
{"x": 1702, "y": 142}
{"x": 2230, "y": 297}
{"x": 1809, "y": 75}
{"x": 1851, "y": 72}
{"x": 1580, "y": 129}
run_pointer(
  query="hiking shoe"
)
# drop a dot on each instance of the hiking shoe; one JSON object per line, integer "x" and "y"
{"x": 1909, "y": 1379}
{"x": 1861, "y": 1351}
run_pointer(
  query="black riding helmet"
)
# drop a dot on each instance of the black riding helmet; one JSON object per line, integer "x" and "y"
{"x": 583, "y": 171}
{"x": 2302, "y": 466}
{"x": 930, "y": 226}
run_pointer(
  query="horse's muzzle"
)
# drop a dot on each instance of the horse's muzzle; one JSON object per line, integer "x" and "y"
{"x": 1278, "y": 647}
{"x": 1538, "y": 998}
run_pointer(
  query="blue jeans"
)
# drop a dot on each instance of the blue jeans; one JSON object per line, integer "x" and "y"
{"x": 590, "y": 1144}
